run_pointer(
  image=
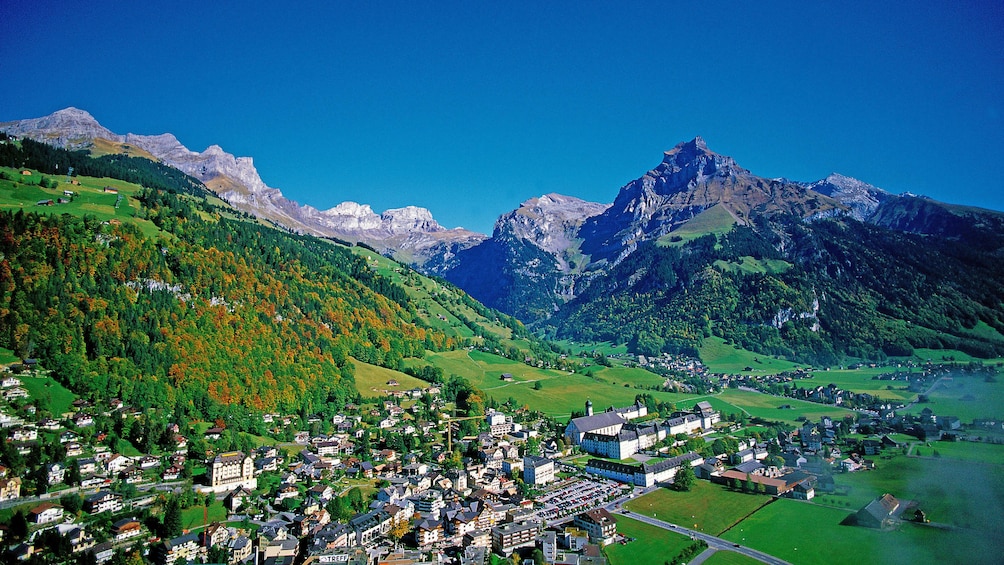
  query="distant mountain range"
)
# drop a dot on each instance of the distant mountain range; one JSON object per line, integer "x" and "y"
{"x": 410, "y": 233}
{"x": 696, "y": 247}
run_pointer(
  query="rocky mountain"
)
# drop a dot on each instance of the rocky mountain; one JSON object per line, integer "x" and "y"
{"x": 701, "y": 247}
{"x": 410, "y": 233}
{"x": 533, "y": 254}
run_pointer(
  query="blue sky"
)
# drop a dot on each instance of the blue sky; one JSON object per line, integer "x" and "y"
{"x": 469, "y": 108}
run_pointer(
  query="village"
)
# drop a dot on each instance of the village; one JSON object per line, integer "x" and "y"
{"x": 357, "y": 492}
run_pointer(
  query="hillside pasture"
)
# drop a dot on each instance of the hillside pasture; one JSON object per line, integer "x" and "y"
{"x": 561, "y": 392}
{"x": 863, "y": 381}
{"x": 89, "y": 198}
{"x": 720, "y": 357}
{"x": 47, "y": 394}
{"x": 769, "y": 407}
{"x": 371, "y": 380}
{"x": 715, "y": 220}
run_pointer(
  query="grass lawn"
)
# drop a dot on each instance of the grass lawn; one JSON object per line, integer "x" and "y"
{"x": 371, "y": 380}
{"x": 706, "y": 507}
{"x": 198, "y": 516}
{"x": 722, "y": 358}
{"x": 730, "y": 558}
{"x": 621, "y": 375}
{"x": 47, "y": 394}
{"x": 806, "y": 533}
{"x": 650, "y": 544}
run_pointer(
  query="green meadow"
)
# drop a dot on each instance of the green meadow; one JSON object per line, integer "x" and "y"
{"x": 89, "y": 198}
{"x": 769, "y": 407}
{"x": 715, "y": 220}
{"x": 801, "y": 532}
{"x": 720, "y": 357}
{"x": 47, "y": 394}
{"x": 860, "y": 380}
{"x": 650, "y": 544}
{"x": 967, "y": 397}
{"x": 560, "y": 392}
{"x": 371, "y": 380}
{"x": 706, "y": 507}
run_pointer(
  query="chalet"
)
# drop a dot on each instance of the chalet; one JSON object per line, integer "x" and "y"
{"x": 235, "y": 499}
{"x": 55, "y": 473}
{"x": 507, "y": 377}
{"x": 10, "y": 381}
{"x": 213, "y": 433}
{"x": 118, "y": 463}
{"x": 48, "y": 202}
{"x": 111, "y": 190}
{"x": 172, "y": 473}
{"x": 45, "y": 513}
{"x": 25, "y": 172}
{"x": 126, "y": 528}
{"x": 428, "y": 532}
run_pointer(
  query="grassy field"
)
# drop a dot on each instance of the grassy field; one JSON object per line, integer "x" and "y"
{"x": 650, "y": 544}
{"x": 604, "y": 347}
{"x": 967, "y": 397}
{"x": 968, "y": 451}
{"x": 949, "y": 491}
{"x": 560, "y": 392}
{"x": 750, "y": 265}
{"x": 706, "y": 507}
{"x": 722, "y": 358}
{"x": 860, "y": 380}
{"x": 371, "y": 380}
{"x": 198, "y": 516}
{"x": 89, "y": 198}
{"x": 7, "y": 357}
{"x": 769, "y": 407}
{"x": 47, "y": 394}
{"x": 730, "y": 558}
{"x": 715, "y": 220}
{"x": 806, "y": 533}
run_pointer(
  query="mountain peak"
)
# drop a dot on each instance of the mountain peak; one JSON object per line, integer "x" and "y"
{"x": 74, "y": 114}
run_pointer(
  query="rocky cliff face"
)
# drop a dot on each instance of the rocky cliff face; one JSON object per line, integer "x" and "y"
{"x": 533, "y": 254}
{"x": 409, "y": 233}
{"x": 691, "y": 179}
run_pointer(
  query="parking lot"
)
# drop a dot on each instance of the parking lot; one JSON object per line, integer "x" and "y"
{"x": 572, "y": 496}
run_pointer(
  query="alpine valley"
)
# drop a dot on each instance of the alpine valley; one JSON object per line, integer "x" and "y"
{"x": 697, "y": 247}
{"x": 196, "y": 369}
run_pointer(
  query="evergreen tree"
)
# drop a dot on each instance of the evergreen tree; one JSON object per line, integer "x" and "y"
{"x": 172, "y": 518}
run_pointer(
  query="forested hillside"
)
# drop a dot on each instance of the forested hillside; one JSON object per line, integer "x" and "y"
{"x": 817, "y": 292}
{"x": 214, "y": 318}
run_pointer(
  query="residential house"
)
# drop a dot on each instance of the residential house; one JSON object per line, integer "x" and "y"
{"x": 103, "y": 501}
{"x": 45, "y": 513}
{"x": 10, "y": 488}
{"x": 126, "y": 528}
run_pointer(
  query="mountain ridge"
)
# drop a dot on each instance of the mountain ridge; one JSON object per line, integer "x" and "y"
{"x": 410, "y": 231}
